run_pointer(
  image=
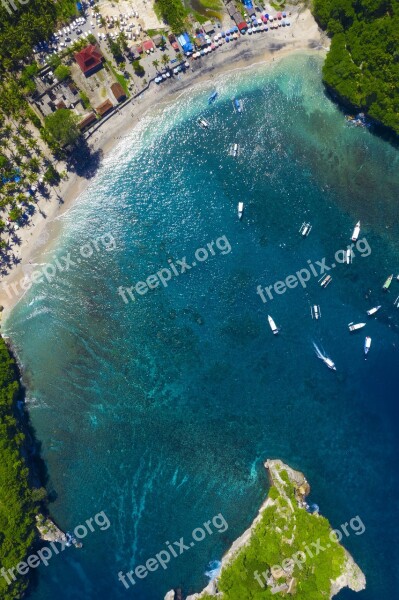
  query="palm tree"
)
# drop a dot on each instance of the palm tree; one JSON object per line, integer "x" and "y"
{"x": 179, "y": 56}
{"x": 165, "y": 59}
{"x": 156, "y": 64}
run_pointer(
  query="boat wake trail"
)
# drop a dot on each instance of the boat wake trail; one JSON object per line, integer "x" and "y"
{"x": 319, "y": 353}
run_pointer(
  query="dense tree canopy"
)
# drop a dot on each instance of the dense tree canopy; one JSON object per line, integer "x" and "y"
{"x": 17, "y": 506}
{"x": 61, "y": 127}
{"x": 362, "y": 65}
{"x": 23, "y": 28}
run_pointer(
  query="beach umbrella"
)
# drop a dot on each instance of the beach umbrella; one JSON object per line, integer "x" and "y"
{"x": 227, "y": 39}
{"x": 187, "y": 64}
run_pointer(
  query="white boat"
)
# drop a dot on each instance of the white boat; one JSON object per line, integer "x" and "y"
{"x": 356, "y": 232}
{"x": 272, "y": 324}
{"x": 367, "y": 344}
{"x": 356, "y": 326}
{"x": 203, "y": 123}
{"x": 240, "y": 209}
{"x": 234, "y": 150}
{"x": 305, "y": 229}
{"x": 327, "y": 361}
{"x": 372, "y": 311}
{"x": 396, "y": 303}
{"x": 315, "y": 311}
{"x": 348, "y": 256}
{"x": 324, "y": 281}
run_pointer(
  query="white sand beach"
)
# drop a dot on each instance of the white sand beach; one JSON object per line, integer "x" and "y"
{"x": 303, "y": 35}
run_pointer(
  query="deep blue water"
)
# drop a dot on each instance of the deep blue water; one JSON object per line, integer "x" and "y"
{"x": 160, "y": 412}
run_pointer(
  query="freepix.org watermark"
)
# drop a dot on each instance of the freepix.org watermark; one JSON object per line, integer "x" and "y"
{"x": 60, "y": 264}
{"x": 175, "y": 268}
{"x": 43, "y": 555}
{"x": 317, "y": 269}
{"x": 174, "y": 549}
{"x": 311, "y": 550}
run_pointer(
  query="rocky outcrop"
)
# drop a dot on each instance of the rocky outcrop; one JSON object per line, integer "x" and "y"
{"x": 283, "y": 478}
{"x": 48, "y": 530}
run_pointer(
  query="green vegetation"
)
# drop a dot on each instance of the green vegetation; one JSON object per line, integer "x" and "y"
{"x": 362, "y": 66}
{"x": 173, "y": 13}
{"x": 138, "y": 68}
{"x": 61, "y": 128}
{"x": 62, "y": 72}
{"x": 85, "y": 99}
{"x": 23, "y": 28}
{"x": 51, "y": 175}
{"x": 120, "y": 79}
{"x": 17, "y": 500}
{"x": 277, "y": 559}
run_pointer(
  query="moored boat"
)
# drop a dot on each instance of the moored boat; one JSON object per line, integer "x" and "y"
{"x": 234, "y": 150}
{"x": 203, "y": 123}
{"x": 387, "y": 283}
{"x": 238, "y": 105}
{"x": 305, "y": 229}
{"x": 315, "y": 311}
{"x": 356, "y": 326}
{"x": 373, "y": 310}
{"x": 212, "y": 97}
{"x": 272, "y": 324}
{"x": 348, "y": 256}
{"x": 356, "y": 232}
{"x": 240, "y": 209}
{"x": 325, "y": 281}
{"x": 367, "y": 344}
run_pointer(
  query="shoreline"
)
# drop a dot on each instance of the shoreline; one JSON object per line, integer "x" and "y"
{"x": 351, "y": 575}
{"x": 303, "y": 36}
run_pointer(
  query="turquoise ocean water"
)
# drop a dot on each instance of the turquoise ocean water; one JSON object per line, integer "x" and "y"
{"x": 160, "y": 412}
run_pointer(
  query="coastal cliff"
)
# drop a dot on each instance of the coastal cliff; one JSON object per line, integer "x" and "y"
{"x": 288, "y": 549}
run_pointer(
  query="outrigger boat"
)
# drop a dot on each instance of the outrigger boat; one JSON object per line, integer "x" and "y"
{"x": 240, "y": 209}
{"x": 315, "y": 312}
{"x": 356, "y": 326}
{"x": 327, "y": 361}
{"x": 203, "y": 123}
{"x": 324, "y": 281}
{"x": 237, "y": 105}
{"x": 372, "y": 311}
{"x": 212, "y": 97}
{"x": 356, "y": 232}
{"x": 388, "y": 282}
{"x": 234, "y": 150}
{"x": 367, "y": 344}
{"x": 305, "y": 229}
{"x": 348, "y": 256}
{"x": 272, "y": 324}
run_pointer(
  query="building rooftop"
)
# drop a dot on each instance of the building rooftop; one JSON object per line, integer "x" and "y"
{"x": 118, "y": 91}
{"x": 89, "y": 59}
{"x": 104, "y": 107}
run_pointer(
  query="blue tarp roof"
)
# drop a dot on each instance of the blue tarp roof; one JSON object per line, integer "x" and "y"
{"x": 185, "y": 43}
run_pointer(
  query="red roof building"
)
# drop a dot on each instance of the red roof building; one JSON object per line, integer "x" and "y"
{"x": 242, "y": 26}
{"x": 148, "y": 45}
{"x": 89, "y": 60}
